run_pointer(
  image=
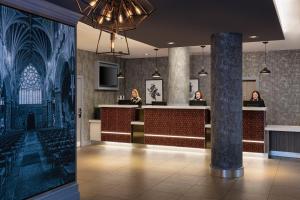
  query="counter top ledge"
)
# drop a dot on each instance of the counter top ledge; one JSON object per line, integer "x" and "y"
{"x": 178, "y": 107}
{"x": 94, "y": 120}
{"x": 255, "y": 108}
{"x": 117, "y": 106}
{"x": 283, "y": 128}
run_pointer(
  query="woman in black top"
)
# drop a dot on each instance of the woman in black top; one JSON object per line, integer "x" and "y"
{"x": 135, "y": 97}
{"x": 256, "y": 97}
{"x": 198, "y": 96}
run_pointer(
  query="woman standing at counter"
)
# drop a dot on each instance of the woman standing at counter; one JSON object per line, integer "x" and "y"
{"x": 198, "y": 96}
{"x": 135, "y": 97}
{"x": 255, "y": 97}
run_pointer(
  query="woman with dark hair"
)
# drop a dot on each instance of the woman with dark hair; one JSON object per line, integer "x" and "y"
{"x": 255, "y": 96}
{"x": 198, "y": 96}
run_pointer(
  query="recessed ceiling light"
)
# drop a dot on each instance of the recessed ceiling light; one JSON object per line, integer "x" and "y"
{"x": 170, "y": 43}
{"x": 253, "y": 36}
{"x": 147, "y": 54}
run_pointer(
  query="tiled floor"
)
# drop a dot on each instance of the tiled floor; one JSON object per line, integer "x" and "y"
{"x": 107, "y": 172}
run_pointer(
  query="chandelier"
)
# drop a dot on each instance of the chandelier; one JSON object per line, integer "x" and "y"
{"x": 114, "y": 17}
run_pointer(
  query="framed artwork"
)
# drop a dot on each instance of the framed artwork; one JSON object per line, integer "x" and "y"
{"x": 194, "y": 86}
{"x": 154, "y": 90}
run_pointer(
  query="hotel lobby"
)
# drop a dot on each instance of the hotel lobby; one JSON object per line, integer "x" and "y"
{"x": 150, "y": 99}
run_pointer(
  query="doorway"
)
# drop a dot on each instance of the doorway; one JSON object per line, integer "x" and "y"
{"x": 30, "y": 121}
{"x": 79, "y": 104}
{"x": 249, "y": 85}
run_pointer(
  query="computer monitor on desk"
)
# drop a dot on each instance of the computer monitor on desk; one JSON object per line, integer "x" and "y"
{"x": 254, "y": 103}
{"x": 198, "y": 103}
{"x": 159, "y": 103}
{"x": 125, "y": 102}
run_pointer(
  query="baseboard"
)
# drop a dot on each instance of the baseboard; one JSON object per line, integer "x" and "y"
{"x": 67, "y": 192}
{"x": 284, "y": 154}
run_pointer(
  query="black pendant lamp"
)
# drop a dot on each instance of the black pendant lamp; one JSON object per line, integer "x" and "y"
{"x": 202, "y": 73}
{"x": 265, "y": 69}
{"x": 156, "y": 74}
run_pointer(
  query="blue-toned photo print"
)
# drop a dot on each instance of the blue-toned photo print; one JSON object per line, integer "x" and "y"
{"x": 37, "y": 104}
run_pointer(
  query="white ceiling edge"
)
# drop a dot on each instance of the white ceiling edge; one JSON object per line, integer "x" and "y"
{"x": 289, "y": 16}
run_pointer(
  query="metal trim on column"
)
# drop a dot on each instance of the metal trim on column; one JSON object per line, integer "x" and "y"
{"x": 227, "y": 173}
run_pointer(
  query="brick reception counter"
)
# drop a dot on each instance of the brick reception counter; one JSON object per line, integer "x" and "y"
{"x": 175, "y": 125}
{"x": 254, "y": 122}
{"x": 116, "y": 122}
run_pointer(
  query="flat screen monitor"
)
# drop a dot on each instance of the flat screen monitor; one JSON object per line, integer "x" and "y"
{"x": 197, "y": 103}
{"x": 107, "y": 76}
{"x": 254, "y": 104}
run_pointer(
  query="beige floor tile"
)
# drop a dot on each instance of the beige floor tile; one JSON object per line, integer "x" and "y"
{"x": 158, "y": 195}
{"x": 115, "y": 173}
{"x": 233, "y": 195}
{"x": 175, "y": 188}
{"x": 285, "y": 192}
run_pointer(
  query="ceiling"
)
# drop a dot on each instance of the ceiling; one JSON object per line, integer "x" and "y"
{"x": 267, "y": 20}
{"x": 192, "y": 22}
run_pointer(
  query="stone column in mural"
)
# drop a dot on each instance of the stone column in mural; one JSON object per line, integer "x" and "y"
{"x": 49, "y": 114}
{"x": 8, "y": 115}
{"x": 179, "y": 76}
{"x": 226, "y": 105}
{"x": 58, "y": 110}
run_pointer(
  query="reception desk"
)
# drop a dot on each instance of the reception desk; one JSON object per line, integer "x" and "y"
{"x": 175, "y": 125}
{"x": 116, "y": 122}
{"x": 182, "y": 126}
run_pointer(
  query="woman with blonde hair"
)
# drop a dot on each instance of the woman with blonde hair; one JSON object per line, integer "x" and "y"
{"x": 135, "y": 97}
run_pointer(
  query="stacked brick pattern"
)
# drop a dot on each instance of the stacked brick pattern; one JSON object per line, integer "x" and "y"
{"x": 253, "y": 129}
{"x": 253, "y": 147}
{"x": 113, "y": 137}
{"x": 179, "y": 142}
{"x": 116, "y": 120}
{"x": 175, "y": 122}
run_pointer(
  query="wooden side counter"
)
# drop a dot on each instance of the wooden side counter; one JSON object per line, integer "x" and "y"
{"x": 116, "y": 122}
{"x": 254, "y": 122}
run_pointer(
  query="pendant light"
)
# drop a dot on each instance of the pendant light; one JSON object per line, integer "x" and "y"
{"x": 117, "y": 46}
{"x": 156, "y": 74}
{"x": 202, "y": 73}
{"x": 265, "y": 69}
{"x": 114, "y": 17}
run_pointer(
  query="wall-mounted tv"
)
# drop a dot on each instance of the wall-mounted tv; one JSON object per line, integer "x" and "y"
{"x": 107, "y": 76}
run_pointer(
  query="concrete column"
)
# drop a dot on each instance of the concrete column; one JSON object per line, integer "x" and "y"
{"x": 226, "y": 105}
{"x": 179, "y": 76}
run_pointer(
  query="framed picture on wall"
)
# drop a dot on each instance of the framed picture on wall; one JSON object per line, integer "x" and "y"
{"x": 194, "y": 86}
{"x": 154, "y": 90}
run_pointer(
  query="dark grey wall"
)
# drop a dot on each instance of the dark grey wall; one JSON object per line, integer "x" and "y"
{"x": 86, "y": 68}
{"x": 137, "y": 71}
{"x": 280, "y": 89}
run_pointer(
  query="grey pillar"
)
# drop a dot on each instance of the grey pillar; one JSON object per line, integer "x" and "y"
{"x": 226, "y": 105}
{"x": 179, "y": 76}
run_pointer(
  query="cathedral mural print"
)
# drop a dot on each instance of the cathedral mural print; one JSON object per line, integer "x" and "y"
{"x": 37, "y": 104}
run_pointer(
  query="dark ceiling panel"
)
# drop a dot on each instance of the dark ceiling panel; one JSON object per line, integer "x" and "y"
{"x": 191, "y": 22}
